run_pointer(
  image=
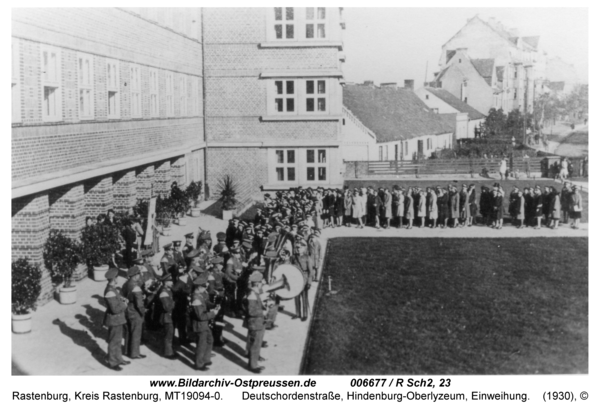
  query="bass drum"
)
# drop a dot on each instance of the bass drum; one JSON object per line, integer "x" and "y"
{"x": 294, "y": 279}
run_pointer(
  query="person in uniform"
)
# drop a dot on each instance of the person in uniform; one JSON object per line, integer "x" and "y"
{"x": 178, "y": 255}
{"x": 129, "y": 236}
{"x": 167, "y": 262}
{"x": 217, "y": 295}
{"x": 304, "y": 264}
{"x": 200, "y": 316}
{"x": 182, "y": 289}
{"x": 233, "y": 271}
{"x": 166, "y": 317}
{"x": 135, "y": 312}
{"x": 255, "y": 321}
{"x": 221, "y": 248}
{"x": 147, "y": 263}
{"x": 114, "y": 320}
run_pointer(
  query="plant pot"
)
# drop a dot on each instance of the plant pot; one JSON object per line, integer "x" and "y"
{"x": 166, "y": 231}
{"x": 99, "y": 272}
{"x": 195, "y": 212}
{"x": 21, "y": 324}
{"x": 67, "y": 295}
{"x": 227, "y": 215}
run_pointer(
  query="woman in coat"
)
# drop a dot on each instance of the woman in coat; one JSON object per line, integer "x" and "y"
{"x": 519, "y": 209}
{"x": 472, "y": 205}
{"x": 555, "y": 209}
{"x": 339, "y": 209}
{"x": 498, "y": 209}
{"x": 399, "y": 209}
{"x": 465, "y": 210}
{"x": 422, "y": 207}
{"x": 538, "y": 201}
{"x": 432, "y": 207}
{"x": 409, "y": 208}
{"x": 357, "y": 208}
{"x": 442, "y": 207}
{"x": 347, "y": 207}
{"x": 387, "y": 206}
{"x": 454, "y": 205}
{"x": 576, "y": 206}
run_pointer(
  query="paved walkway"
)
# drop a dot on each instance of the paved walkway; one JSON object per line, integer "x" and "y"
{"x": 69, "y": 340}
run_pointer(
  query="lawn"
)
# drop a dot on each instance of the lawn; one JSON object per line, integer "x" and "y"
{"x": 506, "y": 185}
{"x": 452, "y": 306}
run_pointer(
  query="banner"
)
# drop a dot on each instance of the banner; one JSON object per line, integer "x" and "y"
{"x": 151, "y": 217}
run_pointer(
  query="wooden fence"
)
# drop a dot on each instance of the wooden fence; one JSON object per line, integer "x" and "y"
{"x": 445, "y": 166}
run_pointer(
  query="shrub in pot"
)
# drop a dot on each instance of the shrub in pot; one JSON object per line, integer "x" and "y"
{"x": 227, "y": 196}
{"x": 26, "y": 289}
{"x": 193, "y": 192}
{"x": 165, "y": 214}
{"x": 99, "y": 243}
{"x": 61, "y": 258}
{"x": 180, "y": 203}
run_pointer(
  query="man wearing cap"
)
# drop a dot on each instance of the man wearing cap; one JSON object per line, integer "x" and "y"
{"x": 178, "y": 255}
{"x": 217, "y": 294}
{"x": 114, "y": 320}
{"x": 166, "y": 317}
{"x": 167, "y": 262}
{"x": 200, "y": 317}
{"x": 221, "y": 247}
{"x": 188, "y": 247}
{"x": 233, "y": 271}
{"x": 182, "y": 289}
{"x": 135, "y": 313}
{"x": 231, "y": 231}
{"x": 205, "y": 240}
{"x": 255, "y": 321}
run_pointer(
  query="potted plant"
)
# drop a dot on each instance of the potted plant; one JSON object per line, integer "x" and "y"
{"x": 227, "y": 193}
{"x": 61, "y": 258}
{"x": 26, "y": 289}
{"x": 164, "y": 214}
{"x": 193, "y": 192}
{"x": 180, "y": 203}
{"x": 99, "y": 243}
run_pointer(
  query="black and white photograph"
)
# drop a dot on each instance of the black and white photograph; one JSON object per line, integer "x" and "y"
{"x": 299, "y": 191}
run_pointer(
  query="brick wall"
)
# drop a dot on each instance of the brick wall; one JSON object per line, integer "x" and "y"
{"x": 67, "y": 209}
{"x": 31, "y": 86}
{"x": 162, "y": 178}
{"x": 41, "y": 150}
{"x": 30, "y": 228}
{"x": 98, "y": 195}
{"x": 247, "y": 167}
{"x": 109, "y": 32}
{"x": 178, "y": 171}
{"x": 144, "y": 179}
{"x": 124, "y": 190}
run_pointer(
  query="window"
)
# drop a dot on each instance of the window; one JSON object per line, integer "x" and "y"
{"x": 297, "y": 23}
{"x": 381, "y": 153}
{"x": 169, "y": 98}
{"x": 15, "y": 82}
{"x": 112, "y": 86}
{"x": 182, "y": 95}
{"x": 153, "y": 92}
{"x": 285, "y": 168}
{"x": 406, "y": 148}
{"x": 51, "y": 74}
{"x": 299, "y": 97}
{"x": 316, "y": 96}
{"x": 285, "y": 96}
{"x": 316, "y": 165}
{"x": 284, "y": 23}
{"x": 85, "y": 84}
{"x": 135, "y": 82}
{"x": 315, "y": 22}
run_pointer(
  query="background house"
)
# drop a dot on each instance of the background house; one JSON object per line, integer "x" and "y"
{"x": 468, "y": 119}
{"x": 404, "y": 127}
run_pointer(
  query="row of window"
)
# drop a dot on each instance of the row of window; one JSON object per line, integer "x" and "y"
{"x": 300, "y": 96}
{"x": 299, "y": 24}
{"x": 52, "y": 88}
{"x": 313, "y": 166}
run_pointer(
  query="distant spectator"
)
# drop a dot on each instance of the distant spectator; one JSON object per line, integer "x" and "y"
{"x": 576, "y": 207}
{"x": 502, "y": 169}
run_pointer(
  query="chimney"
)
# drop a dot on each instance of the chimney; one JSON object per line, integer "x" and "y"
{"x": 409, "y": 84}
{"x": 369, "y": 83}
{"x": 389, "y": 85}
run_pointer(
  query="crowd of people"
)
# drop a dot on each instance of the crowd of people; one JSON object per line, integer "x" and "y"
{"x": 200, "y": 281}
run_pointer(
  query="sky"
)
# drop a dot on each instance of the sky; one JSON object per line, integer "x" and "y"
{"x": 394, "y": 44}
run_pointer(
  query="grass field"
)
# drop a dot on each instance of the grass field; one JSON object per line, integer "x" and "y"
{"x": 506, "y": 185}
{"x": 452, "y": 306}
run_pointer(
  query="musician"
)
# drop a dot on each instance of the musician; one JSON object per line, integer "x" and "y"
{"x": 188, "y": 248}
{"x": 233, "y": 271}
{"x": 221, "y": 248}
{"x": 135, "y": 311}
{"x": 114, "y": 319}
{"x": 167, "y": 262}
{"x": 200, "y": 316}
{"x": 182, "y": 289}
{"x": 217, "y": 295}
{"x": 178, "y": 255}
{"x": 304, "y": 263}
{"x": 255, "y": 321}
{"x": 204, "y": 240}
{"x": 166, "y": 317}
{"x": 147, "y": 263}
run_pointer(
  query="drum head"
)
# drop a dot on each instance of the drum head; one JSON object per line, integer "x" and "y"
{"x": 294, "y": 278}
